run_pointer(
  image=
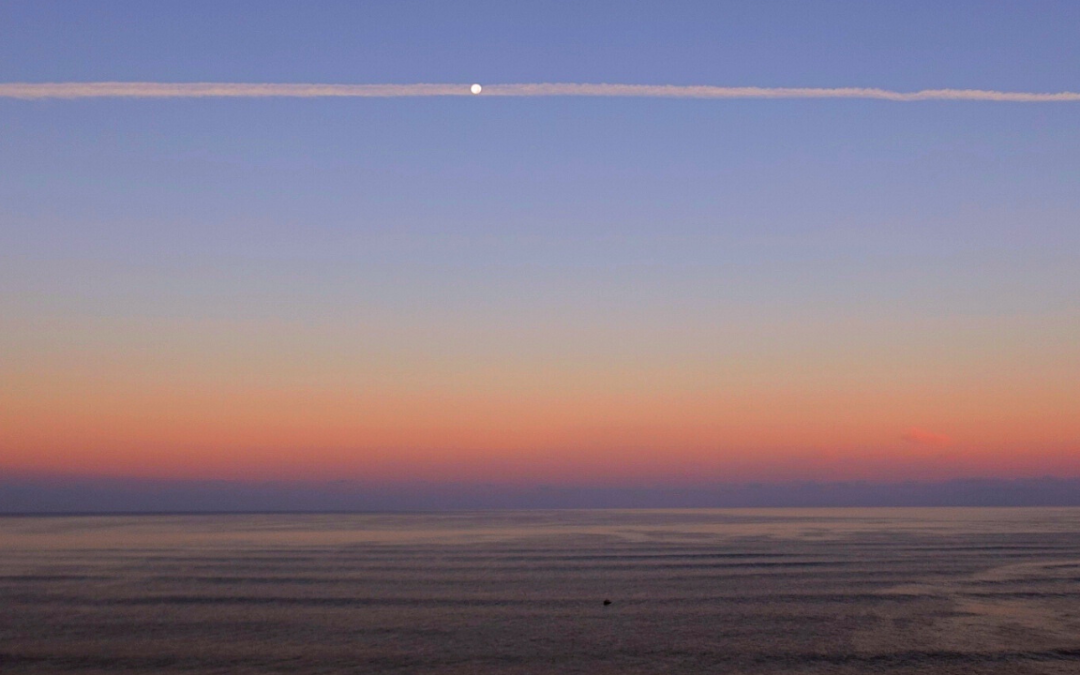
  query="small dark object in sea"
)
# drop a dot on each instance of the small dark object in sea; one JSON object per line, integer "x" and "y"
{"x": 606, "y": 603}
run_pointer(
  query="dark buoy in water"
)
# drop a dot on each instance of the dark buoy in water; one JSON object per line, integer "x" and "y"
{"x": 606, "y": 602}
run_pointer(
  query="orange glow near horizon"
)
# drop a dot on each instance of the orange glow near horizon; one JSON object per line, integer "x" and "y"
{"x": 542, "y": 394}
{"x": 585, "y": 434}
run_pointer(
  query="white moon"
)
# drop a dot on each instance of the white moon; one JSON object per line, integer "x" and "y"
{"x": 476, "y": 89}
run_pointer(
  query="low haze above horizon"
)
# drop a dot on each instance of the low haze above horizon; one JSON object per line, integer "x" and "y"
{"x": 786, "y": 244}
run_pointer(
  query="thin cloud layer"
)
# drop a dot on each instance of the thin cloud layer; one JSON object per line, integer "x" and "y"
{"x": 681, "y": 91}
{"x": 71, "y": 90}
{"x": 924, "y": 437}
{"x": 79, "y": 90}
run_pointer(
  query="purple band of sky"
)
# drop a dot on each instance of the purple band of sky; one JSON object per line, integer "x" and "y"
{"x": 73, "y": 90}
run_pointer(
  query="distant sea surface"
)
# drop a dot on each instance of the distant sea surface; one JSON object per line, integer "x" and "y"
{"x": 926, "y": 591}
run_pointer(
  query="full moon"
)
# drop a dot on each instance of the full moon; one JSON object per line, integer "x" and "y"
{"x": 476, "y": 89}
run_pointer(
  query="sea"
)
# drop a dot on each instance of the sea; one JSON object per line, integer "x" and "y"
{"x": 927, "y": 591}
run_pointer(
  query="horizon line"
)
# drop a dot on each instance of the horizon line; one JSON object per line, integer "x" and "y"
{"x": 82, "y": 90}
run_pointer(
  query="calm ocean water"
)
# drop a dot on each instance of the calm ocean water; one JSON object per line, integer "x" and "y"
{"x": 728, "y": 591}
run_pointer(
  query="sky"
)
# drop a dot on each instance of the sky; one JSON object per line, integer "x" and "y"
{"x": 560, "y": 290}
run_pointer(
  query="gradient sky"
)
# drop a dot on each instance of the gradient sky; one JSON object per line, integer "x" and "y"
{"x": 566, "y": 290}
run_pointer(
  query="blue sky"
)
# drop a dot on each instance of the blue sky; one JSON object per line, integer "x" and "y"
{"x": 974, "y": 44}
{"x": 553, "y": 233}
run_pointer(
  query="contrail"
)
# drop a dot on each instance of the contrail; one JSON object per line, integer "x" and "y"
{"x": 78, "y": 90}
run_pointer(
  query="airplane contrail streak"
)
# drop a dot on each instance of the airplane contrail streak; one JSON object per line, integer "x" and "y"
{"x": 80, "y": 90}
